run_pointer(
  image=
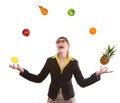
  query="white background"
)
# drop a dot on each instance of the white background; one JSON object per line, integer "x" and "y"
{"x": 32, "y": 51}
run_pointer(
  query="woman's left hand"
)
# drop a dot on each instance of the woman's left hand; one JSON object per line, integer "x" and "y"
{"x": 103, "y": 70}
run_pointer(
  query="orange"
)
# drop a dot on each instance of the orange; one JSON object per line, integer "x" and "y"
{"x": 92, "y": 30}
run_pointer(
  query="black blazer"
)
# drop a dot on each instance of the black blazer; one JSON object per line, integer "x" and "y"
{"x": 61, "y": 80}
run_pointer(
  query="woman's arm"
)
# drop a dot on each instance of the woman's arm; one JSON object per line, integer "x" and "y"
{"x": 32, "y": 77}
{"x": 83, "y": 82}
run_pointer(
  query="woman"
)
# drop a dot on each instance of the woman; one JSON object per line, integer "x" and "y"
{"x": 61, "y": 68}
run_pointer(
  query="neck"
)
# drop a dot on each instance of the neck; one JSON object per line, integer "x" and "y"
{"x": 62, "y": 55}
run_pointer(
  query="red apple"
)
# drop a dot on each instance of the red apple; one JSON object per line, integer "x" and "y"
{"x": 26, "y": 32}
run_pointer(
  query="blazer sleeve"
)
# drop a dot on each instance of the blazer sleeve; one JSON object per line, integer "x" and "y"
{"x": 83, "y": 82}
{"x": 36, "y": 78}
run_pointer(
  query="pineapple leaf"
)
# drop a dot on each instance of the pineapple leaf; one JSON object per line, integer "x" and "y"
{"x": 109, "y": 51}
{"x": 112, "y": 48}
{"x": 112, "y": 53}
{"x": 108, "y": 48}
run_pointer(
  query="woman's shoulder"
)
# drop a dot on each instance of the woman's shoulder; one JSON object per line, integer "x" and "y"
{"x": 74, "y": 60}
{"x": 51, "y": 58}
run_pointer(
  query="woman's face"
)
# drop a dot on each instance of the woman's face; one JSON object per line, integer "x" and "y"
{"x": 62, "y": 46}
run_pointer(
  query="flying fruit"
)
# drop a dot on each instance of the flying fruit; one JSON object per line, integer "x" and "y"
{"x": 14, "y": 59}
{"x": 43, "y": 10}
{"x": 26, "y": 32}
{"x": 92, "y": 30}
{"x": 109, "y": 52}
{"x": 71, "y": 12}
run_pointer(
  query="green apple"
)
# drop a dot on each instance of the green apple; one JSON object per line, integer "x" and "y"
{"x": 71, "y": 12}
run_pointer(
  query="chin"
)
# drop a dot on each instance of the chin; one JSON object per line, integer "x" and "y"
{"x": 60, "y": 51}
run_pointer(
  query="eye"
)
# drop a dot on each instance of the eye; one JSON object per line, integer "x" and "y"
{"x": 62, "y": 41}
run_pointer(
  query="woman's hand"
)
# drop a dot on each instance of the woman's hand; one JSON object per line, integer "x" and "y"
{"x": 17, "y": 67}
{"x": 103, "y": 70}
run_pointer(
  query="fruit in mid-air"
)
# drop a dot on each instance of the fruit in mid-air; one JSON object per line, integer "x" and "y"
{"x": 26, "y": 32}
{"x": 71, "y": 12}
{"x": 92, "y": 30}
{"x": 43, "y": 10}
{"x": 109, "y": 52}
{"x": 14, "y": 59}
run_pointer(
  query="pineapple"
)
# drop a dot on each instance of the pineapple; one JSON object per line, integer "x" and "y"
{"x": 105, "y": 58}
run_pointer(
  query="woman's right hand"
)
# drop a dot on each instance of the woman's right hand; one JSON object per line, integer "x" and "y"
{"x": 17, "y": 67}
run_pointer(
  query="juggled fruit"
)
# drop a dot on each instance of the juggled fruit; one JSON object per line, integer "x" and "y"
{"x": 109, "y": 52}
{"x": 71, "y": 12}
{"x": 26, "y": 32}
{"x": 43, "y": 10}
{"x": 92, "y": 30}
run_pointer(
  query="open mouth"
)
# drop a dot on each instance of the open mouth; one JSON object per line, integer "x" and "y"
{"x": 61, "y": 47}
